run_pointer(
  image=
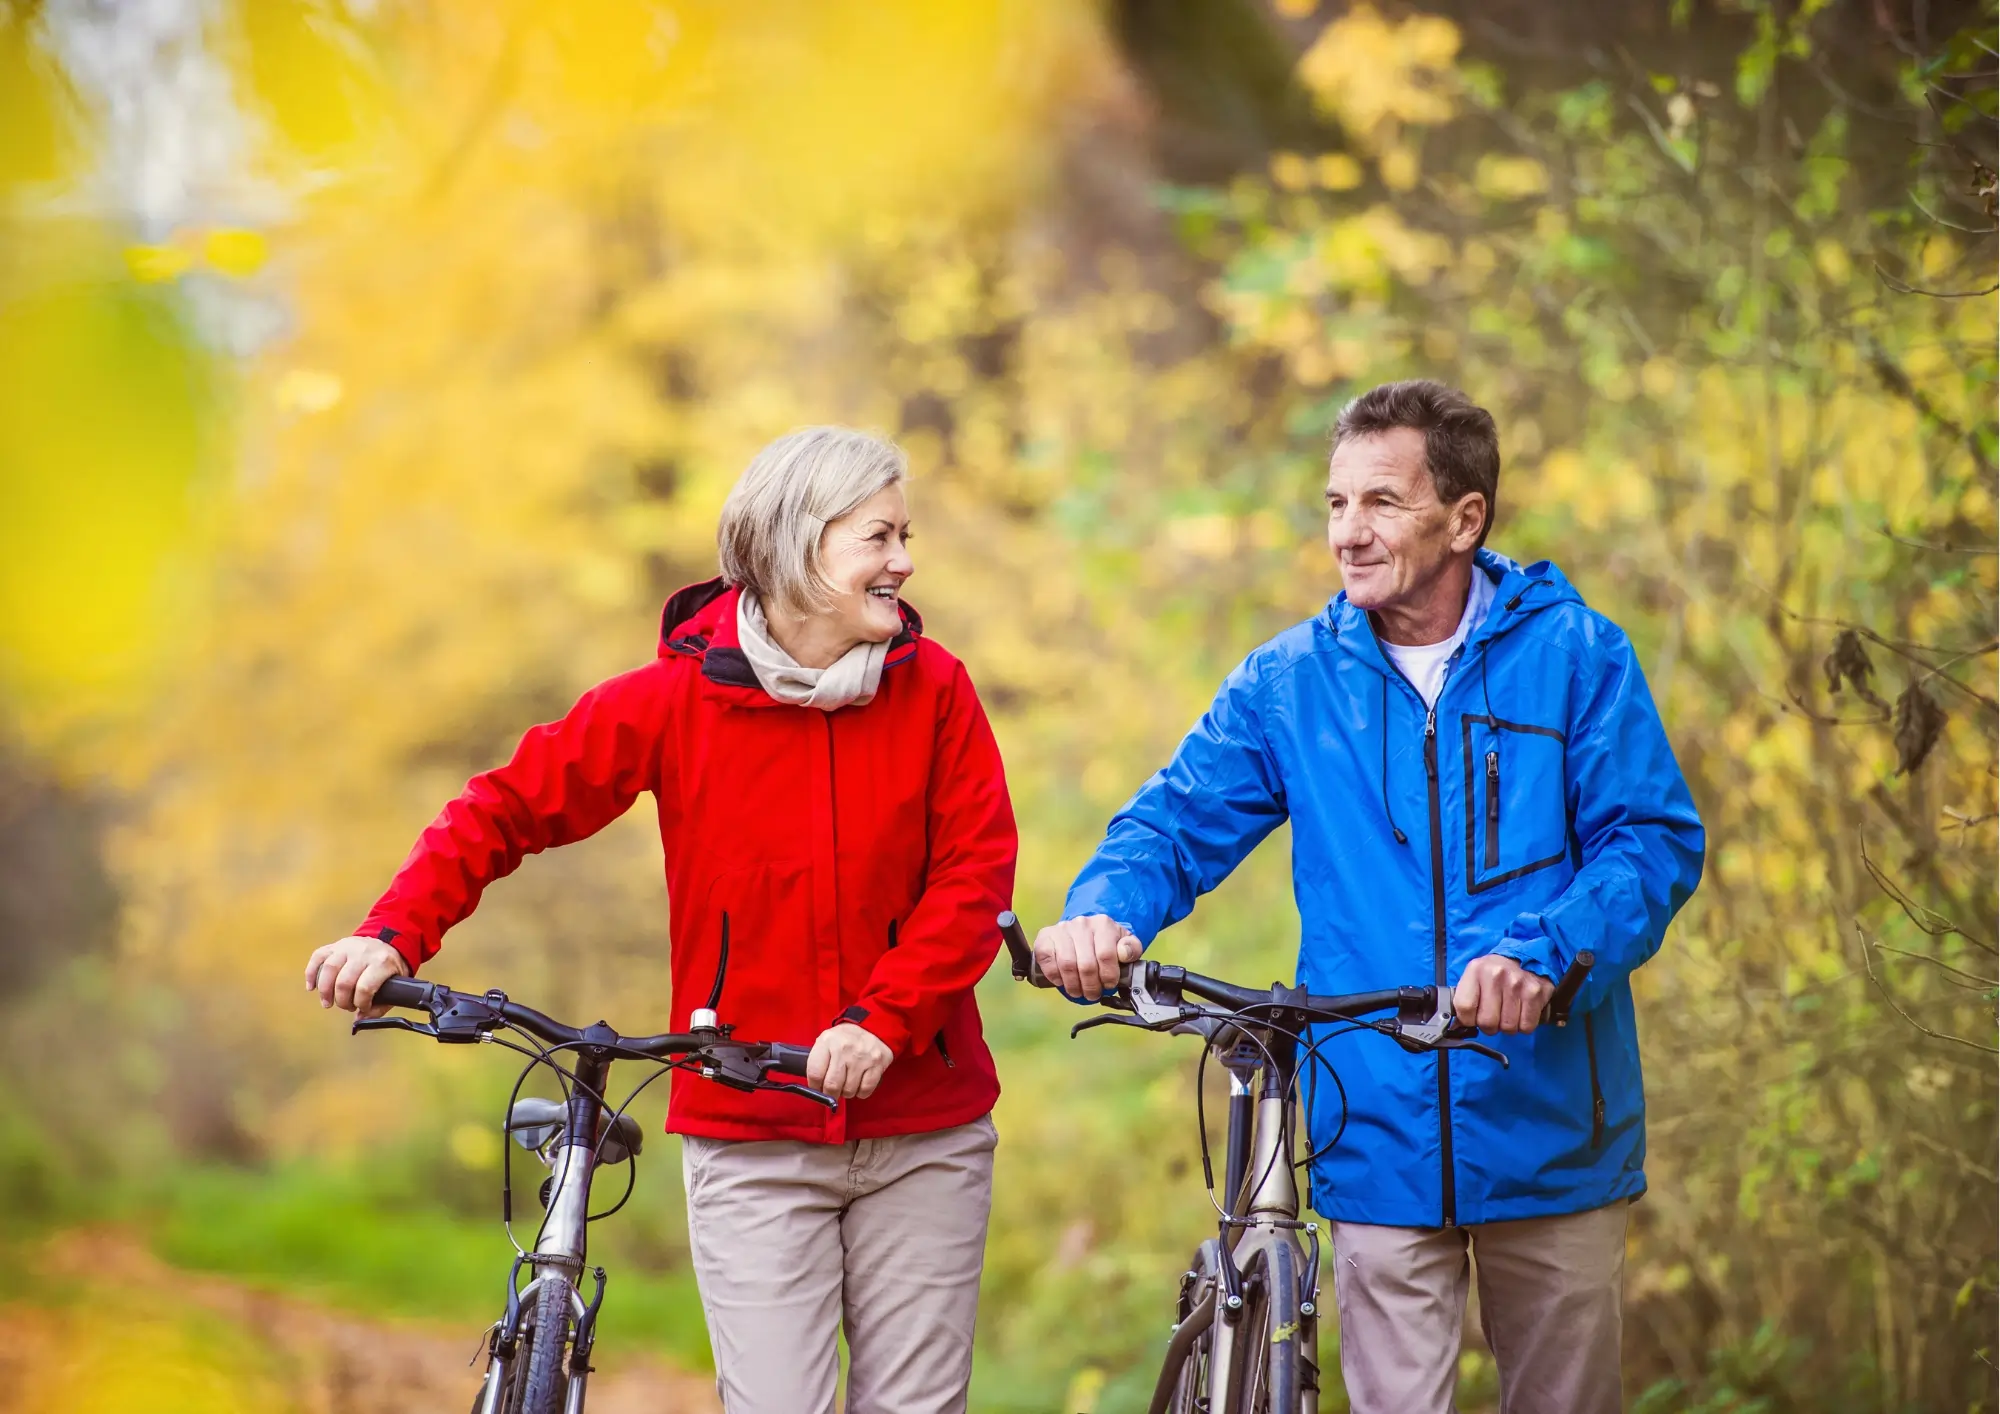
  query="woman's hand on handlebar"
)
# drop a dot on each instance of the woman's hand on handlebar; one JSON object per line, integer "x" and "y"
{"x": 847, "y": 1062}
{"x": 346, "y": 973}
{"x": 1082, "y": 955}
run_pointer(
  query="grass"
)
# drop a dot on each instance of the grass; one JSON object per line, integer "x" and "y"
{"x": 335, "y": 1237}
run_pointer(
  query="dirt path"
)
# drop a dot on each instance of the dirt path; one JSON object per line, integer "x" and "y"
{"x": 250, "y": 1351}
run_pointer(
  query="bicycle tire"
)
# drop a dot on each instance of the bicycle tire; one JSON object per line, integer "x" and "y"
{"x": 548, "y": 1371}
{"x": 1249, "y": 1365}
{"x": 1282, "y": 1381}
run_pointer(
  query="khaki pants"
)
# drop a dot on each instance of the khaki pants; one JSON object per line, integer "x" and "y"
{"x": 884, "y": 1237}
{"x": 1550, "y": 1294}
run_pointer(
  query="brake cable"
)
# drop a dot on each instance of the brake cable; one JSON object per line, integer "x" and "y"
{"x": 1234, "y": 1021}
{"x": 537, "y": 1057}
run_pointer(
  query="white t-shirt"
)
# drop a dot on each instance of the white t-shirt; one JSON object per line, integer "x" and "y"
{"x": 1424, "y": 663}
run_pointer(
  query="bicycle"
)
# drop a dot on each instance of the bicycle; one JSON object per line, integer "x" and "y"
{"x": 574, "y": 1138}
{"x": 1260, "y": 1272}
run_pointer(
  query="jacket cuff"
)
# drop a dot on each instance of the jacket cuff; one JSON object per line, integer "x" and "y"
{"x": 405, "y": 941}
{"x": 1528, "y": 943}
{"x": 880, "y": 1024}
{"x": 1081, "y": 903}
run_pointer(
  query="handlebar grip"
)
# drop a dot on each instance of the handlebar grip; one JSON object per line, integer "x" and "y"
{"x": 1557, "y": 1011}
{"x": 789, "y": 1060}
{"x": 1020, "y": 957}
{"x": 403, "y": 991}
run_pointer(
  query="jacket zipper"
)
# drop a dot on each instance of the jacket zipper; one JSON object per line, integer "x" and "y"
{"x": 1492, "y": 810}
{"x": 944, "y": 1051}
{"x": 1596, "y": 1091}
{"x": 1438, "y": 944}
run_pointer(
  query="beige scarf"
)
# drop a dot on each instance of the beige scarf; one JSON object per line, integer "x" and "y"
{"x": 851, "y": 681}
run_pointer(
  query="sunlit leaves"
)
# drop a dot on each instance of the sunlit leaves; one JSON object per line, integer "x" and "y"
{"x": 105, "y": 408}
{"x": 306, "y": 69}
{"x": 1375, "y": 74}
{"x": 1505, "y": 178}
{"x": 37, "y": 114}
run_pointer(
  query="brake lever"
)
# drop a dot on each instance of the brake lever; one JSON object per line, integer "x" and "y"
{"x": 1083, "y": 1026}
{"x": 1439, "y": 1029}
{"x": 731, "y": 1063}
{"x": 1462, "y": 1043}
{"x": 390, "y": 1023}
{"x": 805, "y": 1091}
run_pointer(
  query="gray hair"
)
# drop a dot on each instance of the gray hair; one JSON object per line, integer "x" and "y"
{"x": 1461, "y": 442}
{"x": 769, "y": 536}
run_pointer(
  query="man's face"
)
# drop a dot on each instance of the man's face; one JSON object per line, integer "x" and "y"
{"x": 1391, "y": 533}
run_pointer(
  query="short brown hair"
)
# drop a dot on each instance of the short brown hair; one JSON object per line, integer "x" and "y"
{"x": 1461, "y": 444}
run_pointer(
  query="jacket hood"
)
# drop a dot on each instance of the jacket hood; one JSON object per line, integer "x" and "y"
{"x": 1519, "y": 593}
{"x": 700, "y": 622}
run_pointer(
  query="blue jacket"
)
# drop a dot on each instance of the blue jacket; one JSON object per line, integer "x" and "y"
{"x": 1543, "y": 814}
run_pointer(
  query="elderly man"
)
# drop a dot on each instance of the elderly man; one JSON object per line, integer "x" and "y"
{"x": 1480, "y": 789}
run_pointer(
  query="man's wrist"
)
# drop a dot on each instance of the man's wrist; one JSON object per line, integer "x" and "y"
{"x": 1533, "y": 955}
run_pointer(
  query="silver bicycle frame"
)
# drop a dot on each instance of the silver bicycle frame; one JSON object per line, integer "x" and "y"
{"x": 559, "y": 1251}
{"x": 1266, "y": 1206}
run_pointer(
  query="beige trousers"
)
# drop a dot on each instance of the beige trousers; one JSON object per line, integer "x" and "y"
{"x": 882, "y": 1237}
{"x": 1550, "y": 1301}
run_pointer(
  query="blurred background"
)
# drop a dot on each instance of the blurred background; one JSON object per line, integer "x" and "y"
{"x": 371, "y": 369}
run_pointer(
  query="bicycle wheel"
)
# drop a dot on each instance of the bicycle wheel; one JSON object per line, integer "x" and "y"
{"x": 1280, "y": 1387}
{"x": 1249, "y": 1362}
{"x": 548, "y": 1372}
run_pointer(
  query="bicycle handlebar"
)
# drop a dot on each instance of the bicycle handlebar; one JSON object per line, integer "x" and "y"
{"x": 403, "y": 991}
{"x": 1227, "y": 994}
{"x": 788, "y": 1060}
{"x": 466, "y": 1016}
{"x": 469, "y": 1009}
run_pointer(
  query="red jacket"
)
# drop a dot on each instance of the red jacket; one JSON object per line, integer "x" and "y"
{"x": 861, "y": 856}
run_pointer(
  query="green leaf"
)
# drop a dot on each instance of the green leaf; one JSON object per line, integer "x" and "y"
{"x": 1756, "y": 65}
{"x": 1483, "y": 84}
{"x": 1584, "y": 109}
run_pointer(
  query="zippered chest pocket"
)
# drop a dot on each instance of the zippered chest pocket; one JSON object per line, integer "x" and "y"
{"x": 1516, "y": 814}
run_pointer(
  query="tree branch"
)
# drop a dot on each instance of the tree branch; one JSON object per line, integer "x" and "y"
{"x": 1897, "y": 1006}
{"x": 1896, "y": 381}
{"x": 1936, "y": 924}
{"x": 1897, "y": 285}
{"x": 1973, "y": 981}
{"x": 1940, "y": 549}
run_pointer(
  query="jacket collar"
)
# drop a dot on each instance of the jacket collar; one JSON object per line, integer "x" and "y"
{"x": 699, "y": 622}
{"x": 1519, "y": 593}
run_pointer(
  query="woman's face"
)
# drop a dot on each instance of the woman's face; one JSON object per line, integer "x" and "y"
{"x": 866, "y": 557}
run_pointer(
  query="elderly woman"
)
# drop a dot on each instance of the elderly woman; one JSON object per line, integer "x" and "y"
{"x": 825, "y": 777}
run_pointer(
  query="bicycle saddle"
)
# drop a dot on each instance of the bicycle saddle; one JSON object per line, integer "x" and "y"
{"x": 534, "y": 1122}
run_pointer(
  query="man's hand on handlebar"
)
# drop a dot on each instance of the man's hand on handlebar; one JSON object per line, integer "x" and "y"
{"x": 1082, "y": 955}
{"x": 1497, "y": 994}
{"x": 346, "y": 973}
